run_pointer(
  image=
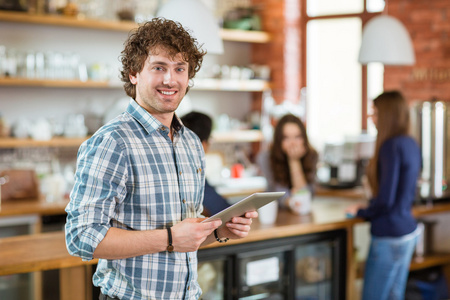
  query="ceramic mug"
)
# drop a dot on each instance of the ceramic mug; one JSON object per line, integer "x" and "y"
{"x": 300, "y": 202}
{"x": 268, "y": 213}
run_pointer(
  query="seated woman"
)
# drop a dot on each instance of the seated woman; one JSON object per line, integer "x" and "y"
{"x": 290, "y": 164}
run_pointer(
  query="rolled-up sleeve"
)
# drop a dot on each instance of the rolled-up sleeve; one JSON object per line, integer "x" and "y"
{"x": 99, "y": 187}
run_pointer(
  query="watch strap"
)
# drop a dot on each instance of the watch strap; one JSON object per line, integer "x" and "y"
{"x": 169, "y": 234}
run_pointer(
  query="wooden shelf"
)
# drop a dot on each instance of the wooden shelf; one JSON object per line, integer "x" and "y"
{"x": 54, "y": 142}
{"x": 38, "y": 206}
{"x": 120, "y": 26}
{"x": 209, "y": 84}
{"x": 245, "y": 36}
{"x": 417, "y": 263}
{"x": 24, "y": 82}
{"x": 236, "y": 136}
{"x": 58, "y": 20}
{"x": 431, "y": 260}
{"x": 204, "y": 84}
{"x": 356, "y": 193}
{"x": 423, "y": 209}
{"x": 37, "y": 252}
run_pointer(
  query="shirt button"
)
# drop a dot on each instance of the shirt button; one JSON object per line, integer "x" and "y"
{"x": 180, "y": 172}
{"x": 199, "y": 170}
{"x": 189, "y": 288}
{"x": 184, "y": 201}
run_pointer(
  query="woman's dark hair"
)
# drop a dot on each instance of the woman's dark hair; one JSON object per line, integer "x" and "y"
{"x": 279, "y": 160}
{"x": 151, "y": 37}
{"x": 199, "y": 123}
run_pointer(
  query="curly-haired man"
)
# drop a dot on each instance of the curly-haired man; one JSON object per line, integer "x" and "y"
{"x": 139, "y": 182}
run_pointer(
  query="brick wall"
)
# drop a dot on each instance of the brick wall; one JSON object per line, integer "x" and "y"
{"x": 428, "y": 23}
{"x": 282, "y": 54}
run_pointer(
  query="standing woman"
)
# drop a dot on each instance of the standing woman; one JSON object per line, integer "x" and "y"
{"x": 392, "y": 173}
{"x": 290, "y": 164}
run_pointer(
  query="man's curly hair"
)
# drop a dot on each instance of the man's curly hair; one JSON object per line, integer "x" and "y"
{"x": 158, "y": 34}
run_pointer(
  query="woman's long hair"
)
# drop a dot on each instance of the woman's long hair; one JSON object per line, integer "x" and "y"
{"x": 278, "y": 158}
{"x": 393, "y": 120}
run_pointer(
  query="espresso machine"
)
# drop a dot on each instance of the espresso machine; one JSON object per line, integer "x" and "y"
{"x": 343, "y": 163}
{"x": 430, "y": 121}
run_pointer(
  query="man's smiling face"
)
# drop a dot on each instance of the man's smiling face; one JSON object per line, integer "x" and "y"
{"x": 162, "y": 83}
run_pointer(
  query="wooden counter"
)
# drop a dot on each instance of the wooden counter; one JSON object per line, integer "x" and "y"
{"x": 46, "y": 251}
{"x": 37, "y": 252}
{"x": 327, "y": 214}
{"x": 32, "y": 206}
{"x": 353, "y": 193}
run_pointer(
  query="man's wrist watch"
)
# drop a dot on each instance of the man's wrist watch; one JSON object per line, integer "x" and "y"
{"x": 170, "y": 246}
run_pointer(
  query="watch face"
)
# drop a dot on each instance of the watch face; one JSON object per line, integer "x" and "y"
{"x": 170, "y": 248}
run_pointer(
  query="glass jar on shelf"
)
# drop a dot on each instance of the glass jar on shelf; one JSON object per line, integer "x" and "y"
{"x": 90, "y": 9}
{"x": 126, "y": 10}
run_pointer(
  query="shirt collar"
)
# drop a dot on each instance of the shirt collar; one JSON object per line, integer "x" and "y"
{"x": 149, "y": 122}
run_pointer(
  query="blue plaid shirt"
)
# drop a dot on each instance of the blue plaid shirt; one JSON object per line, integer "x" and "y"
{"x": 130, "y": 175}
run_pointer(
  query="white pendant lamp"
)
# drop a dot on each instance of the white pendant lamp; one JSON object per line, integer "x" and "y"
{"x": 387, "y": 41}
{"x": 194, "y": 15}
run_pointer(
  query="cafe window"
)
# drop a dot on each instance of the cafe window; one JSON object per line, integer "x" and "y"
{"x": 339, "y": 89}
{"x": 332, "y": 7}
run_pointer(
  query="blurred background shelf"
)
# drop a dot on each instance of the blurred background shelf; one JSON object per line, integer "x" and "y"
{"x": 251, "y": 85}
{"x": 430, "y": 260}
{"x": 249, "y": 136}
{"x": 54, "y": 142}
{"x": 417, "y": 263}
{"x": 24, "y": 82}
{"x": 124, "y": 26}
{"x": 245, "y": 36}
{"x": 218, "y": 137}
{"x": 203, "y": 84}
{"x": 57, "y": 20}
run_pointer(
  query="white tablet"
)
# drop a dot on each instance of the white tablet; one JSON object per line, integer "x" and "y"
{"x": 252, "y": 202}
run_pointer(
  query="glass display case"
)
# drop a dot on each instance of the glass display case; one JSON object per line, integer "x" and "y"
{"x": 313, "y": 271}
{"x": 262, "y": 274}
{"x": 211, "y": 278}
{"x": 305, "y": 267}
{"x": 17, "y": 286}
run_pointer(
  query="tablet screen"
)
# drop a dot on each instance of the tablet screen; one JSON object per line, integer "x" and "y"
{"x": 252, "y": 202}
